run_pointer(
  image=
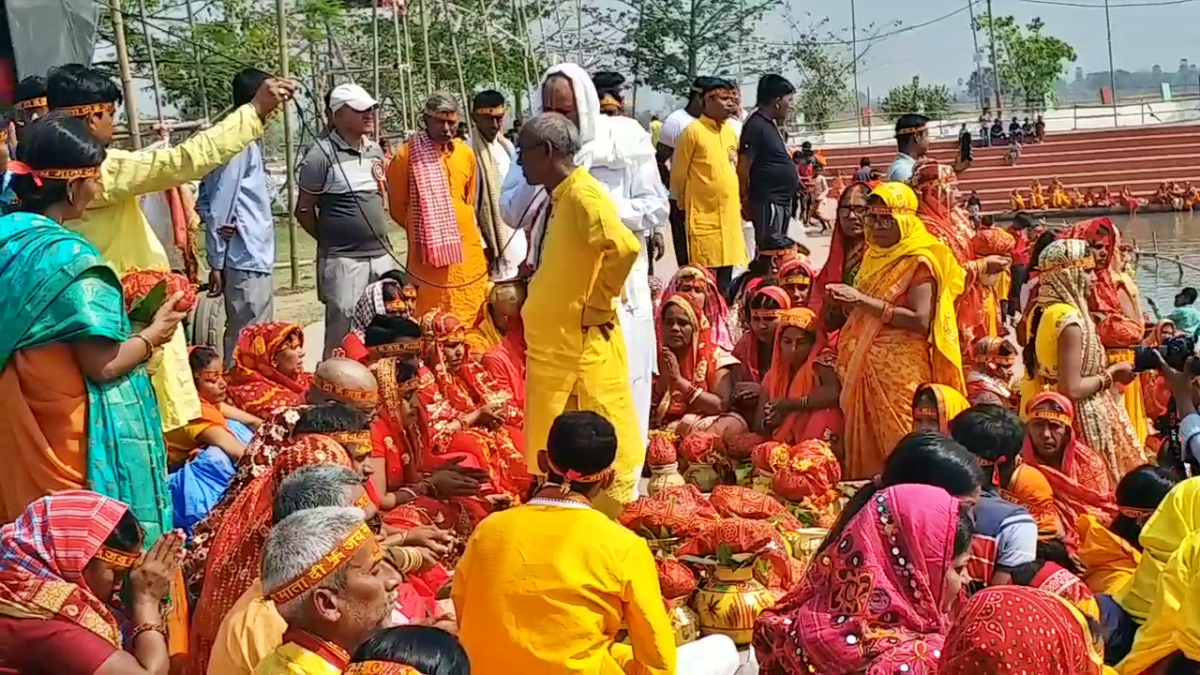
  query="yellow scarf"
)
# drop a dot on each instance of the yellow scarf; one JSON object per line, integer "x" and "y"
{"x": 915, "y": 240}
{"x": 1177, "y": 517}
{"x": 1174, "y": 620}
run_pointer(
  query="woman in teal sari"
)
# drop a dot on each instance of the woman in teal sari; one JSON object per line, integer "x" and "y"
{"x": 77, "y": 410}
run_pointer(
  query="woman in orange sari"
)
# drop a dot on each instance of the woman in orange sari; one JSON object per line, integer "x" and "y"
{"x": 268, "y": 369}
{"x": 691, "y": 391}
{"x": 701, "y": 284}
{"x": 901, "y": 330}
{"x": 991, "y": 376}
{"x": 466, "y": 413}
{"x": 1113, "y": 303}
{"x": 756, "y": 347}
{"x": 233, "y": 556}
{"x": 801, "y": 389}
{"x": 846, "y": 247}
{"x": 1156, "y": 395}
{"x": 1111, "y": 553}
{"x": 796, "y": 277}
{"x": 1077, "y": 475}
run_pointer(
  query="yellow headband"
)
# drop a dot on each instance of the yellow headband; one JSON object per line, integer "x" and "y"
{"x": 118, "y": 559}
{"x": 325, "y": 566}
{"x": 910, "y": 130}
{"x": 494, "y": 111}
{"x": 381, "y": 668}
{"x": 766, "y": 313}
{"x": 343, "y": 393}
{"x": 1052, "y": 416}
{"x": 89, "y": 109}
{"x": 610, "y": 100}
{"x": 357, "y": 437}
{"x": 363, "y": 502}
{"x": 441, "y": 115}
{"x": 572, "y": 476}
{"x": 891, "y": 211}
{"x": 39, "y": 102}
{"x": 1080, "y": 263}
{"x": 1131, "y": 512}
{"x": 395, "y": 306}
{"x": 401, "y": 348}
{"x": 927, "y": 412}
{"x": 797, "y": 280}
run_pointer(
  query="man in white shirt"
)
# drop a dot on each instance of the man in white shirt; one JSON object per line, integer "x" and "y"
{"x": 506, "y": 247}
{"x": 617, "y": 152}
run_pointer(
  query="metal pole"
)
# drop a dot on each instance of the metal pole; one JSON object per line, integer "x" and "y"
{"x": 200, "y": 63}
{"x": 854, "y": 65}
{"x": 462, "y": 81}
{"x": 412, "y": 73}
{"x": 579, "y": 32}
{"x": 995, "y": 66}
{"x": 976, "y": 57}
{"x": 375, "y": 61}
{"x": 131, "y": 111}
{"x": 289, "y": 159}
{"x": 1112, "y": 75}
{"x": 153, "y": 64}
{"x": 402, "y": 93}
{"x": 425, "y": 38}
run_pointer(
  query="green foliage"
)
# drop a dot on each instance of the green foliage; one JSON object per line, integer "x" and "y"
{"x": 822, "y": 88}
{"x": 1029, "y": 61}
{"x": 666, "y": 44}
{"x": 931, "y": 100}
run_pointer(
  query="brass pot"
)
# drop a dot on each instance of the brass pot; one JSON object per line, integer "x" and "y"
{"x": 684, "y": 621}
{"x": 729, "y": 603}
{"x": 665, "y": 547}
{"x": 760, "y": 481}
{"x": 703, "y": 476}
{"x": 663, "y": 477}
{"x": 805, "y": 542}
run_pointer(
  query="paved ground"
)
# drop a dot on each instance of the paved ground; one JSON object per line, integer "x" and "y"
{"x": 314, "y": 333}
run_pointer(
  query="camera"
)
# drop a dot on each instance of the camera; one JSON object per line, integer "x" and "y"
{"x": 1175, "y": 351}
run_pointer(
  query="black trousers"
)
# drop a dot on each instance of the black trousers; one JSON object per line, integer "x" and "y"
{"x": 724, "y": 278}
{"x": 770, "y": 222}
{"x": 679, "y": 235}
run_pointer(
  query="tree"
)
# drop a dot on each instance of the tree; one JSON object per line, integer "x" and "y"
{"x": 1029, "y": 61}
{"x": 931, "y": 100}
{"x": 666, "y": 44}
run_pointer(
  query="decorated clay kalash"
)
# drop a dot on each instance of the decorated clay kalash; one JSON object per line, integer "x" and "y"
{"x": 663, "y": 459}
{"x": 669, "y": 518}
{"x": 145, "y": 291}
{"x": 678, "y": 583}
{"x": 701, "y": 451}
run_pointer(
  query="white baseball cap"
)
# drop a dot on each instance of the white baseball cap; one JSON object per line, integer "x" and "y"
{"x": 352, "y": 95}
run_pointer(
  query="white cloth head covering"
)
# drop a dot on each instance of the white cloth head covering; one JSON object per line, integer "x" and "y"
{"x": 613, "y": 142}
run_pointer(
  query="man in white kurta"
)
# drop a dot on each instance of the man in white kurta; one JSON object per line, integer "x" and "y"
{"x": 618, "y": 153}
{"x": 506, "y": 246}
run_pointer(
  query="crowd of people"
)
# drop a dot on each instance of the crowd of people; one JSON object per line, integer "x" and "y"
{"x": 1059, "y": 197}
{"x": 989, "y": 435}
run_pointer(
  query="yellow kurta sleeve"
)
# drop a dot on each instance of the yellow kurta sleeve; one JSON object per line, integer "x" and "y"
{"x": 618, "y": 249}
{"x": 397, "y": 182}
{"x": 649, "y": 627}
{"x": 1170, "y": 626}
{"x": 129, "y": 174}
{"x": 681, "y": 163}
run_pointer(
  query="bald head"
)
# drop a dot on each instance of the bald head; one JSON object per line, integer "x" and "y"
{"x": 344, "y": 380}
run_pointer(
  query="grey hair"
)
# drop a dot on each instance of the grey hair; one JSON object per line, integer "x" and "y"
{"x": 553, "y": 129}
{"x": 441, "y": 102}
{"x": 314, "y": 486}
{"x": 298, "y": 543}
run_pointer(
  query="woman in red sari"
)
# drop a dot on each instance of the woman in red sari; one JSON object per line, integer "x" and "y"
{"x": 233, "y": 556}
{"x": 1156, "y": 395}
{"x": 801, "y": 389}
{"x": 990, "y": 378}
{"x": 1077, "y": 475}
{"x": 796, "y": 278}
{"x": 845, "y": 256}
{"x": 755, "y": 348}
{"x": 691, "y": 391}
{"x": 701, "y": 284}
{"x": 465, "y": 414}
{"x": 268, "y": 369}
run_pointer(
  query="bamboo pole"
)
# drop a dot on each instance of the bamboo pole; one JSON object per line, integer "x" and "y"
{"x": 131, "y": 109}
{"x": 191, "y": 18}
{"x": 288, "y": 152}
{"x": 462, "y": 80}
{"x": 413, "y": 103}
{"x": 427, "y": 55}
{"x": 487, "y": 30}
{"x": 374, "y": 61}
{"x": 153, "y": 64}
{"x": 403, "y": 100}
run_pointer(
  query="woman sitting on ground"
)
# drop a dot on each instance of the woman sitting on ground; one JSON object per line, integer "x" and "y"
{"x": 268, "y": 369}
{"x": 423, "y": 650}
{"x": 60, "y": 564}
{"x": 221, "y": 424}
{"x": 384, "y": 297}
{"x": 796, "y": 278}
{"x": 1111, "y": 553}
{"x": 1077, "y": 475}
{"x": 692, "y": 388}
{"x": 934, "y": 405}
{"x": 592, "y": 575}
{"x": 801, "y": 389}
{"x": 907, "y": 554}
{"x": 756, "y": 347}
{"x": 701, "y": 285}
{"x": 992, "y": 373}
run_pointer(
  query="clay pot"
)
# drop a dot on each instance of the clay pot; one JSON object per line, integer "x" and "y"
{"x": 684, "y": 621}
{"x": 663, "y": 477}
{"x": 760, "y": 481}
{"x": 730, "y": 602}
{"x": 703, "y": 476}
{"x": 804, "y": 542}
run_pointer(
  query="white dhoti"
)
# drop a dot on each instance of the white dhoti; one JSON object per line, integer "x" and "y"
{"x": 507, "y": 261}
{"x": 636, "y": 314}
{"x": 713, "y": 655}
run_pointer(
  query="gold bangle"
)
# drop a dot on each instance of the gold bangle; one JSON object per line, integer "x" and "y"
{"x": 1106, "y": 381}
{"x": 147, "y": 342}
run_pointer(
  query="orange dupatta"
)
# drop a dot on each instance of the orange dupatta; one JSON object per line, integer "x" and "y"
{"x": 696, "y": 366}
{"x": 824, "y": 424}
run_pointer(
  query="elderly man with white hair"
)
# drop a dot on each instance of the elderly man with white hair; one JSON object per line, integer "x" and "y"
{"x": 432, "y": 186}
{"x": 618, "y": 153}
{"x": 575, "y": 344}
{"x": 326, "y": 574}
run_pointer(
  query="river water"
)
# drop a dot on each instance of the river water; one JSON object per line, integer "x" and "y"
{"x": 1174, "y": 234}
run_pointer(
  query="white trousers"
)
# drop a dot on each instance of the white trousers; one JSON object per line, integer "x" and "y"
{"x": 713, "y": 655}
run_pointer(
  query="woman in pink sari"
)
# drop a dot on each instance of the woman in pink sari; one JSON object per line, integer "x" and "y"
{"x": 877, "y": 600}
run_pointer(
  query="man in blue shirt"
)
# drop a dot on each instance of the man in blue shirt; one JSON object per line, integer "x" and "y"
{"x": 235, "y": 206}
{"x": 912, "y": 141}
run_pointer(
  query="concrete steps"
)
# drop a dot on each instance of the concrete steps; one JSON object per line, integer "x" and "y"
{"x": 1140, "y": 157}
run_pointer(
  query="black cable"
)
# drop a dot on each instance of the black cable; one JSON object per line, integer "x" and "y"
{"x": 304, "y": 127}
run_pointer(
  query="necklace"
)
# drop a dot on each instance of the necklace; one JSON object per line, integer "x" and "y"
{"x": 563, "y": 502}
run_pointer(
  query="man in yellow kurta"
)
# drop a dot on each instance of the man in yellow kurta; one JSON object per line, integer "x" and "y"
{"x": 575, "y": 351}
{"x": 115, "y": 222}
{"x": 327, "y": 617}
{"x": 432, "y": 183}
{"x": 704, "y": 183}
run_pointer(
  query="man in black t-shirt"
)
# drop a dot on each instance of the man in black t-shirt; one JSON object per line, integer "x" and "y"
{"x": 766, "y": 174}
